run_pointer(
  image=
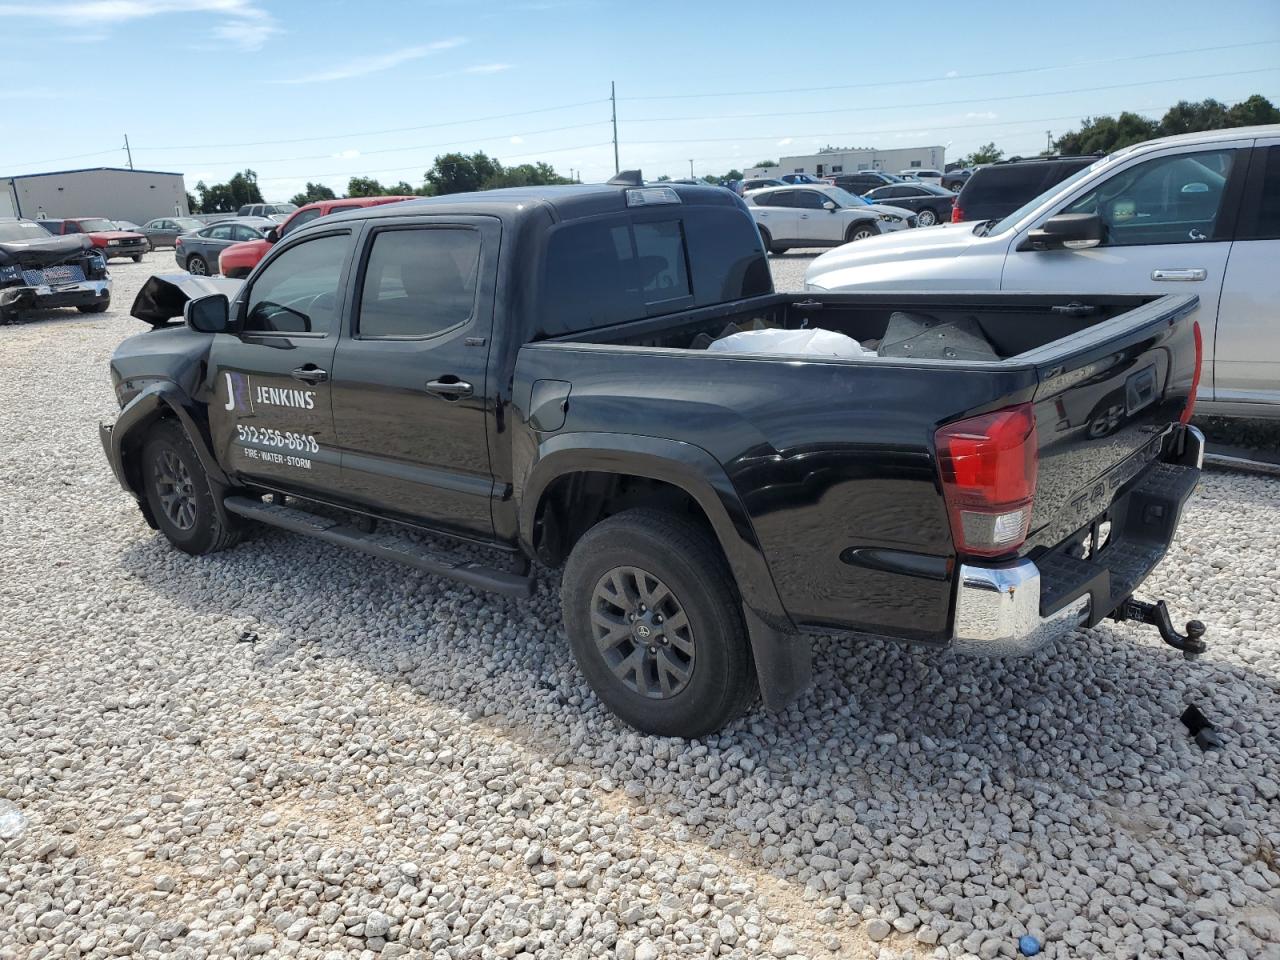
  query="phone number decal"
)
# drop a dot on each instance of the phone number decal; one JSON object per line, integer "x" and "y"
{"x": 281, "y": 439}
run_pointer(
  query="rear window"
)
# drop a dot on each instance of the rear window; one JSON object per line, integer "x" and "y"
{"x": 1012, "y": 184}
{"x": 614, "y": 269}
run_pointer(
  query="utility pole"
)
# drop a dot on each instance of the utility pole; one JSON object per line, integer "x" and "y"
{"x": 613, "y": 99}
{"x": 127, "y": 151}
{"x": 1048, "y": 141}
{"x": 691, "y": 168}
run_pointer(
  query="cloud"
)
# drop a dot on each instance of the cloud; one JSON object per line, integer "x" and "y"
{"x": 517, "y": 139}
{"x": 488, "y": 68}
{"x": 347, "y": 155}
{"x": 952, "y": 73}
{"x": 362, "y": 66}
{"x": 984, "y": 115}
{"x": 241, "y": 23}
{"x": 784, "y": 142}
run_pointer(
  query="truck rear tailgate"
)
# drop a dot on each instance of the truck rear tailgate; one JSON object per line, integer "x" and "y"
{"x": 1104, "y": 407}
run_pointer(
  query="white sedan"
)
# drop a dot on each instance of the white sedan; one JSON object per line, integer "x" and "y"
{"x": 819, "y": 216}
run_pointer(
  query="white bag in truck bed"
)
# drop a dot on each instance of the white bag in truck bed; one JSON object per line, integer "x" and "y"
{"x": 817, "y": 343}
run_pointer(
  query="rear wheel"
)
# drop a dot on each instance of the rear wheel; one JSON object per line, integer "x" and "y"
{"x": 767, "y": 239}
{"x": 196, "y": 265}
{"x": 656, "y": 626}
{"x": 178, "y": 493}
{"x": 860, "y": 231}
{"x": 926, "y": 217}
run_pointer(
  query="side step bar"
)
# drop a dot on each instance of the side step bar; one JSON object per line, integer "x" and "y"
{"x": 385, "y": 546}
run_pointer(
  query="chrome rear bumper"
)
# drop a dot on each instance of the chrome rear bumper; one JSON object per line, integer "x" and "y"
{"x": 998, "y": 611}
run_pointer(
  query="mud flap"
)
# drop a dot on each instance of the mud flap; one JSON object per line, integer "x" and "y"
{"x": 784, "y": 661}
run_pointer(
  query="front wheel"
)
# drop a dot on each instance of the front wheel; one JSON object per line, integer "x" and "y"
{"x": 137, "y": 258}
{"x": 926, "y": 218}
{"x": 656, "y": 625}
{"x": 178, "y": 493}
{"x": 862, "y": 231}
{"x": 197, "y": 266}
{"x": 100, "y": 307}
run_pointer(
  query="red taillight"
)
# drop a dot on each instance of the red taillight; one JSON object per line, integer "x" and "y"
{"x": 1195, "y": 377}
{"x": 957, "y": 215}
{"x": 177, "y": 241}
{"x": 988, "y": 466}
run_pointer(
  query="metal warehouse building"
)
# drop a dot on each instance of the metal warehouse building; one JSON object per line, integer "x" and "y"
{"x": 111, "y": 192}
{"x": 852, "y": 159}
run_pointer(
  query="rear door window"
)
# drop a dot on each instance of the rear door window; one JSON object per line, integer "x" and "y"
{"x": 419, "y": 282}
{"x": 1262, "y": 221}
{"x": 1011, "y": 185}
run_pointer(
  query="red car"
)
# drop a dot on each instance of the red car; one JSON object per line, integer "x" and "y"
{"x": 109, "y": 241}
{"x": 237, "y": 260}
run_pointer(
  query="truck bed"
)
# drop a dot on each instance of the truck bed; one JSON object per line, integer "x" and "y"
{"x": 839, "y": 452}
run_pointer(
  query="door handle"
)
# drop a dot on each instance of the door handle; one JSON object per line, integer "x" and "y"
{"x": 449, "y": 389}
{"x": 1189, "y": 273}
{"x": 310, "y": 374}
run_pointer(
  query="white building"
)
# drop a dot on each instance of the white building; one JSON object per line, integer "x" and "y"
{"x": 111, "y": 192}
{"x": 834, "y": 160}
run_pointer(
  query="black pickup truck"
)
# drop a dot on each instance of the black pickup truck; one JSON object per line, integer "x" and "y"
{"x": 531, "y": 370}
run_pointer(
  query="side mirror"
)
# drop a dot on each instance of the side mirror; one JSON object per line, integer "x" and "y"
{"x": 1066, "y": 231}
{"x": 829, "y": 205}
{"x": 211, "y": 314}
{"x": 272, "y": 235}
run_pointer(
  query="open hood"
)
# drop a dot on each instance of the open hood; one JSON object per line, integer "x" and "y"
{"x": 162, "y": 298}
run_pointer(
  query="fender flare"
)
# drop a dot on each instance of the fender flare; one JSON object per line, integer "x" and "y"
{"x": 782, "y": 654}
{"x": 157, "y": 400}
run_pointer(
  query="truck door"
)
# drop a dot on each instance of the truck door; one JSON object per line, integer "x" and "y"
{"x": 410, "y": 394}
{"x": 271, "y": 415}
{"x": 1169, "y": 221}
{"x": 1246, "y": 365}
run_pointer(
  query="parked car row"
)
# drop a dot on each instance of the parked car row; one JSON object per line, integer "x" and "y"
{"x": 1197, "y": 213}
{"x": 109, "y": 239}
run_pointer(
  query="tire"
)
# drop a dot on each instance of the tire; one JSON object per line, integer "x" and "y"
{"x": 659, "y": 556}
{"x": 95, "y": 307}
{"x": 861, "y": 231}
{"x": 179, "y": 495}
{"x": 136, "y": 258}
{"x": 767, "y": 239}
{"x": 197, "y": 266}
{"x": 926, "y": 217}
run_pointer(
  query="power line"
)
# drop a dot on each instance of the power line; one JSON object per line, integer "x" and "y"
{"x": 370, "y": 173}
{"x": 374, "y": 133}
{"x": 945, "y": 103}
{"x": 966, "y": 76}
{"x": 421, "y": 146}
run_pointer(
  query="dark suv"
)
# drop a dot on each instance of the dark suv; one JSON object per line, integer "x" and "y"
{"x": 863, "y": 180}
{"x": 997, "y": 190}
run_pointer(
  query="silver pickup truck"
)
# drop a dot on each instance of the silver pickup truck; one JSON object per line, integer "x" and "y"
{"x": 1197, "y": 213}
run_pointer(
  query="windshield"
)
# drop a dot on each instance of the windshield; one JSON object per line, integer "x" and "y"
{"x": 283, "y": 207}
{"x": 845, "y": 198}
{"x": 1060, "y": 187}
{"x": 96, "y": 225}
{"x": 22, "y": 230}
{"x": 188, "y": 223}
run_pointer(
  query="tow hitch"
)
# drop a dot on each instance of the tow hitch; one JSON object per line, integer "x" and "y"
{"x": 1157, "y": 614}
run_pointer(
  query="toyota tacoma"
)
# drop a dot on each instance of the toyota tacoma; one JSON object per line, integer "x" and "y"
{"x": 579, "y": 376}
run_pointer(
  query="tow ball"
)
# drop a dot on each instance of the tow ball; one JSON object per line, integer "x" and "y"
{"x": 1157, "y": 615}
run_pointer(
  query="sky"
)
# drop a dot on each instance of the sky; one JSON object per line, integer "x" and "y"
{"x": 326, "y": 90}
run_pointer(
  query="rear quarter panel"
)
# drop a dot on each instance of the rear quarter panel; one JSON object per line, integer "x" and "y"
{"x": 832, "y": 461}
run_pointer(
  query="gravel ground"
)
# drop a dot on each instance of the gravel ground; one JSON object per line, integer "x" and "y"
{"x": 287, "y": 750}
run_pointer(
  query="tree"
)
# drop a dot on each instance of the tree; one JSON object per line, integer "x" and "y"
{"x": 1184, "y": 117}
{"x": 1252, "y": 112}
{"x": 767, "y": 163}
{"x": 365, "y": 187}
{"x": 314, "y": 192}
{"x": 524, "y": 175}
{"x": 193, "y": 205}
{"x": 230, "y": 196}
{"x": 462, "y": 173}
{"x": 987, "y": 153}
{"x": 1104, "y": 134}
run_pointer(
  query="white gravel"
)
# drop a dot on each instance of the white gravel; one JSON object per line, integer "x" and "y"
{"x": 399, "y": 767}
